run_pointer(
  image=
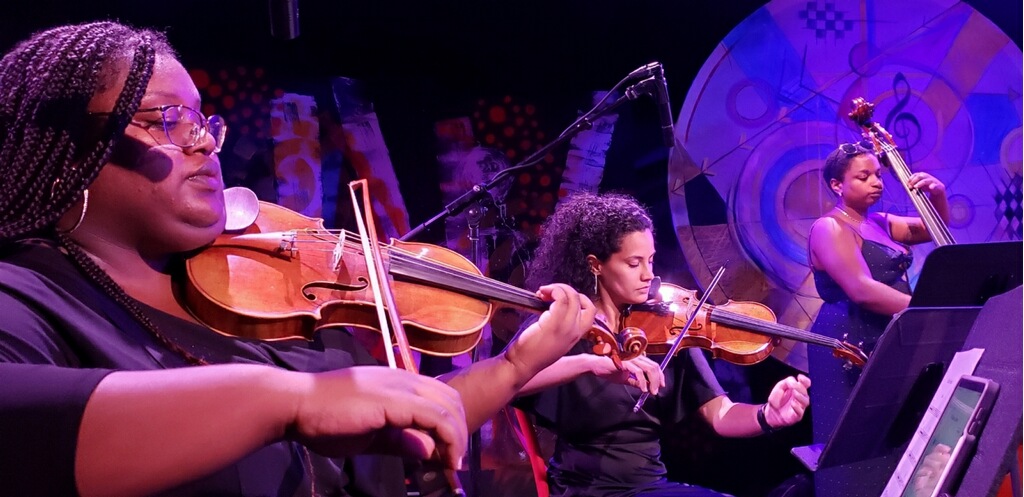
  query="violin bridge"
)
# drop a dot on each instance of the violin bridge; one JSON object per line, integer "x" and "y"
{"x": 337, "y": 255}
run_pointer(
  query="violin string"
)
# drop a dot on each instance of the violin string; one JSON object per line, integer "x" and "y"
{"x": 776, "y": 328}
{"x": 490, "y": 287}
{"x": 754, "y": 324}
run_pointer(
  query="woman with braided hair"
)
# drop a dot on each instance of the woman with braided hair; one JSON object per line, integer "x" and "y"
{"x": 108, "y": 386}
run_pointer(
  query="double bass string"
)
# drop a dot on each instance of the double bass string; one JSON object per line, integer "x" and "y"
{"x": 923, "y": 205}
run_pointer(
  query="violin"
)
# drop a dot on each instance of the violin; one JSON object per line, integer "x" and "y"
{"x": 285, "y": 275}
{"x": 737, "y": 331}
{"x": 886, "y": 150}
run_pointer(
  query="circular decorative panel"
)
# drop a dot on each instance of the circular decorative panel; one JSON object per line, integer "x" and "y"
{"x": 772, "y": 101}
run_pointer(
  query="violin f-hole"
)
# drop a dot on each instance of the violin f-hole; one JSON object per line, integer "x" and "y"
{"x": 332, "y": 285}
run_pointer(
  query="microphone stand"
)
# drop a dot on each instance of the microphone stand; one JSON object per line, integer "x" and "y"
{"x": 583, "y": 123}
{"x": 480, "y": 191}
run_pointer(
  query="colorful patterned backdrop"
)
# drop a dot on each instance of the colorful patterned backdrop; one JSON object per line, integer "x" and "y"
{"x": 771, "y": 102}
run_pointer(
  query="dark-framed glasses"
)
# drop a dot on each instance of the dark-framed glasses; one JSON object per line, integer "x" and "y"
{"x": 185, "y": 126}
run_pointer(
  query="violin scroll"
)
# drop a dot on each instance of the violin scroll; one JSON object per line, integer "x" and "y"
{"x": 630, "y": 343}
{"x": 853, "y": 355}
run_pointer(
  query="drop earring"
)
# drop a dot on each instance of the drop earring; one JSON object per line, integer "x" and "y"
{"x": 595, "y": 284}
{"x": 81, "y": 217}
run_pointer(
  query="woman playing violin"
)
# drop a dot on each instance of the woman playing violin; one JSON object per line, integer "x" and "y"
{"x": 860, "y": 261}
{"x": 603, "y": 246}
{"x": 108, "y": 385}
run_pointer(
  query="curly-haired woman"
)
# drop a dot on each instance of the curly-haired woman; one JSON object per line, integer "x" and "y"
{"x": 603, "y": 246}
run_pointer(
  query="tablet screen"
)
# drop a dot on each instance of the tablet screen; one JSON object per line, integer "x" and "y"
{"x": 945, "y": 443}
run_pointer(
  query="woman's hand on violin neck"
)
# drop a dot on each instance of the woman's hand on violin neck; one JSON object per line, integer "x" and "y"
{"x": 379, "y": 410}
{"x": 788, "y": 401}
{"x": 641, "y": 372}
{"x": 558, "y": 329}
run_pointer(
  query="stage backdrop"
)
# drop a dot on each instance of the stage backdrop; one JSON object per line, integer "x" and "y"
{"x": 772, "y": 101}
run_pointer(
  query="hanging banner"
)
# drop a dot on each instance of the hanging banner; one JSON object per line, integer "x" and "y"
{"x": 584, "y": 164}
{"x": 368, "y": 155}
{"x": 296, "y": 134}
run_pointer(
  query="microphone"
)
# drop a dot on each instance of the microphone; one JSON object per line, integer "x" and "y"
{"x": 668, "y": 134}
{"x": 652, "y": 293}
{"x": 284, "y": 19}
{"x": 644, "y": 71}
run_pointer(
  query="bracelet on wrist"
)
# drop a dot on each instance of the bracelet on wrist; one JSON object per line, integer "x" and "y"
{"x": 762, "y": 420}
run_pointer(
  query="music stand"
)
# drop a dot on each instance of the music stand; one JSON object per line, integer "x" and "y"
{"x": 911, "y": 356}
{"x": 968, "y": 274}
{"x": 889, "y": 400}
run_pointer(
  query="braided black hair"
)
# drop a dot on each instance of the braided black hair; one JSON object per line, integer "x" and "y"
{"x": 51, "y": 148}
{"x": 584, "y": 224}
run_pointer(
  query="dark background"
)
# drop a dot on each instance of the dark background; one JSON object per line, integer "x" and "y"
{"x": 429, "y": 60}
{"x": 424, "y": 61}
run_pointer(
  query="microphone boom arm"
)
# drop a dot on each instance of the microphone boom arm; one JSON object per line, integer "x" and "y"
{"x": 581, "y": 124}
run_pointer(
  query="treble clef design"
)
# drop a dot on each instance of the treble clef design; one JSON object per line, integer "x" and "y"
{"x": 904, "y": 125}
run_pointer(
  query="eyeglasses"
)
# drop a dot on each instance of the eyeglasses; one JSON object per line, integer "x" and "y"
{"x": 856, "y": 148}
{"x": 184, "y": 126}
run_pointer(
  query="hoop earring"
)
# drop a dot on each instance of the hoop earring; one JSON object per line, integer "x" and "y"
{"x": 81, "y": 217}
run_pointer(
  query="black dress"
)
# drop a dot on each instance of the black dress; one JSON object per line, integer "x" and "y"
{"x": 603, "y": 448}
{"x": 60, "y": 335}
{"x": 840, "y": 318}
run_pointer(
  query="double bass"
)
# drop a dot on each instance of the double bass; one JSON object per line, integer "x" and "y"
{"x": 888, "y": 154}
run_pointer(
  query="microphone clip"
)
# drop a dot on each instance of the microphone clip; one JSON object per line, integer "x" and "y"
{"x": 641, "y": 88}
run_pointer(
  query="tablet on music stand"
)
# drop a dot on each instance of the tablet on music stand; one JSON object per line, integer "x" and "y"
{"x": 894, "y": 389}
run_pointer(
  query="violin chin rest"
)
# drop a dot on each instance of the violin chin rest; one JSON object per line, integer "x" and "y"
{"x": 241, "y": 207}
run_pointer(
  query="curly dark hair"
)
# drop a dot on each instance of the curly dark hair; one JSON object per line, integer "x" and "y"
{"x": 584, "y": 224}
{"x": 51, "y": 148}
{"x": 838, "y": 161}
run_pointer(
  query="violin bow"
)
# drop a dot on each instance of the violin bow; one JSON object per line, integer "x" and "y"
{"x": 385, "y": 298}
{"x": 689, "y": 321}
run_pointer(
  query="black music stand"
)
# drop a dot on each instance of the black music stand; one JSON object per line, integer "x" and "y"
{"x": 908, "y": 363}
{"x": 889, "y": 400}
{"x": 968, "y": 274}
{"x": 998, "y": 330}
